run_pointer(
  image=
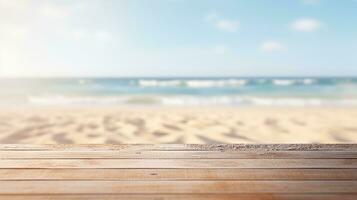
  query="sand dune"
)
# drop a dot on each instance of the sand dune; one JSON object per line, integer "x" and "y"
{"x": 114, "y": 125}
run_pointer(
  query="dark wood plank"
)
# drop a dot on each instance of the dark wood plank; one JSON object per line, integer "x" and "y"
{"x": 178, "y": 174}
{"x": 179, "y": 163}
{"x": 175, "y": 187}
{"x": 175, "y": 154}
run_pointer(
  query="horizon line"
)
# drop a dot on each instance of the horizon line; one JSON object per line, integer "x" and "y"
{"x": 177, "y": 77}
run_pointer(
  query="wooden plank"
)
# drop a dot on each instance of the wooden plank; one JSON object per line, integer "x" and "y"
{"x": 187, "y": 197}
{"x": 175, "y": 187}
{"x": 178, "y": 174}
{"x": 175, "y": 154}
{"x": 179, "y": 163}
{"x": 180, "y": 147}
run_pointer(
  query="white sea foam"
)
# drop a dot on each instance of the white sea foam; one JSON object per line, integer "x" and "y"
{"x": 200, "y": 101}
{"x": 193, "y": 83}
{"x": 254, "y": 101}
{"x": 215, "y": 83}
{"x": 159, "y": 83}
{"x": 288, "y": 82}
{"x": 308, "y": 81}
{"x": 186, "y": 100}
{"x": 283, "y": 82}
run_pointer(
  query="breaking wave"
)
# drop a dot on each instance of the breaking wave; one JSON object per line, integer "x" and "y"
{"x": 192, "y": 83}
{"x": 220, "y": 83}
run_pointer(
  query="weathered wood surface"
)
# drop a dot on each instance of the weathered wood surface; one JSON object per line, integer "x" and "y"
{"x": 330, "y": 196}
{"x": 177, "y": 163}
{"x": 181, "y": 147}
{"x": 256, "y": 172}
{"x": 178, "y": 174}
{"x": 108, "y": 154}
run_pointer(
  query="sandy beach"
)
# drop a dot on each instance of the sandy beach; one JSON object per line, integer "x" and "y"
{"x": 137, "y": 125}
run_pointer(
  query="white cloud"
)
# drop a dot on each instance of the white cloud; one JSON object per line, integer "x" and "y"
{"x": 306, "y": 25}
{"x": 104, "y": 36}
{"x": 227, "y": 25}
{"x": 223, "y": 24}
{"x": 272, "y": 46}
{"x": 311, "y": 2}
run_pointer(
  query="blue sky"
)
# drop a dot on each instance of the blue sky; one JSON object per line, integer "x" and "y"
{"x": 178, "y": 38}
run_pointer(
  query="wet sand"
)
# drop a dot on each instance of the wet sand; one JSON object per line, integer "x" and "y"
{"x": 164, "y": 125}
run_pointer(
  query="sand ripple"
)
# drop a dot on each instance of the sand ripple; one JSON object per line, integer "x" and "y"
{"x": 115, "y": 125}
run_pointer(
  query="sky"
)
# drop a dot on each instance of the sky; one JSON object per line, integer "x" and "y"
{"x": 136, "y": 38}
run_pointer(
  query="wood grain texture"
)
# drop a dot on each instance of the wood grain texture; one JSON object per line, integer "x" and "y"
{"x": 180, "y": 147}
{"x": 331, "y": 196}
{"x": 175, "y": 154}
{"x": 159, "y": 172}
{"x": 178, "y": 174}
{"x": 175, "y": 187}
{"x": 179, "y": 163}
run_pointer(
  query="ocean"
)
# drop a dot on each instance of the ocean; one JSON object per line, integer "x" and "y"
{"x": 227, "y": 91}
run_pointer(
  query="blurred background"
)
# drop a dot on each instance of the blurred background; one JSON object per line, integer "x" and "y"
{"x": 178, "y": 71}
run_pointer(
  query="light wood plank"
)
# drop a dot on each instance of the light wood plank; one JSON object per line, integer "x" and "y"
{"x": 175, "y": 154}
{"x": 187, "y": 197}
{"x": 175, "y": 187}
{"x": 178, "y": 174}
{"x": 180, "y": 147}
{"x": 179, "y": 163}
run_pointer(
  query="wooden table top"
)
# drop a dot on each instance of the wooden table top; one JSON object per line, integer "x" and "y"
{"x": 160, "y": 172}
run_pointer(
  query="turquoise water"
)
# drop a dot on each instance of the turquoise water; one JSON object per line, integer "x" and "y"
{"x": 264, "y": 91}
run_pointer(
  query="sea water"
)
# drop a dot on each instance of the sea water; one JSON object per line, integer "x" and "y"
{"x": 193, "y": 91}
